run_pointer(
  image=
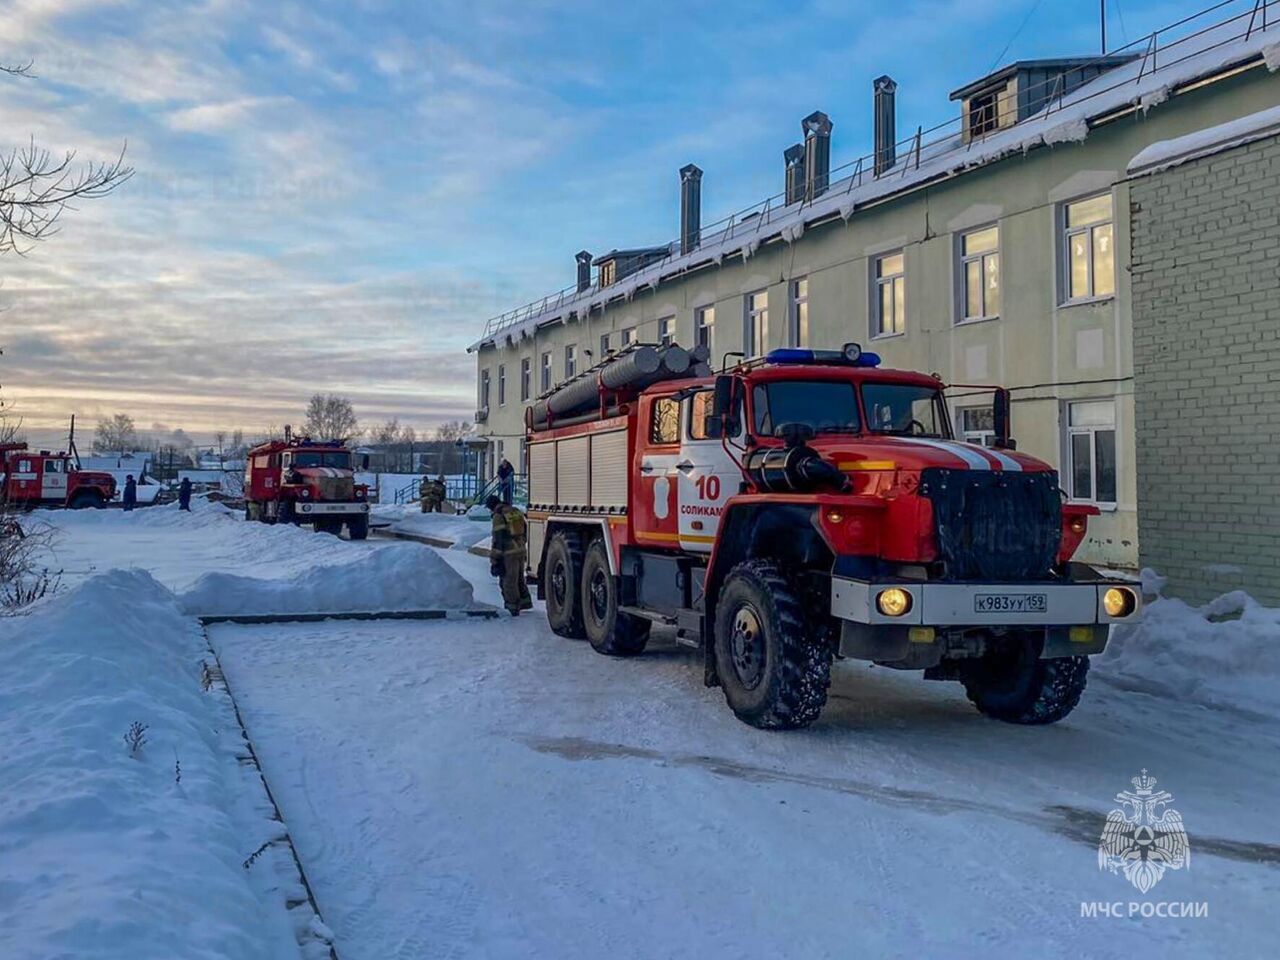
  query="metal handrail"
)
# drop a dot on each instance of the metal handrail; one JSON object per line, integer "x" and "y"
{"x": 917, "y": 146}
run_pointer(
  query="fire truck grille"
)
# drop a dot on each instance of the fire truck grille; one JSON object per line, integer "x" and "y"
{"x": 337, "y": 488}
{"x": 995, "y": 525}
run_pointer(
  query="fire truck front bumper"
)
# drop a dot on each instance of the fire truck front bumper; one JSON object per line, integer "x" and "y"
{"x": 1076, "y": 617}
{"x": 305, "y": 509}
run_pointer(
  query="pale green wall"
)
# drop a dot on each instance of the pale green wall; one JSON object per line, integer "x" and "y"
{"x": 1034, "y": 342}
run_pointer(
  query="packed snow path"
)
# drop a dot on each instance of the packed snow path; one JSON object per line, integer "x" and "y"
{"x": 492, "y": 790}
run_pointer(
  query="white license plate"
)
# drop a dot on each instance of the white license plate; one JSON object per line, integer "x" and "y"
{"x": 1011, "y": 603}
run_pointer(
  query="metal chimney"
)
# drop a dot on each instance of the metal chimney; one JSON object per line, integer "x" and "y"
{"x": 886, "y": 124}
{"x": 584, "y": 270}
{"x": 793, "y": 157}
{"x": 817, "y": 154}
{"x": 690, "y": 208}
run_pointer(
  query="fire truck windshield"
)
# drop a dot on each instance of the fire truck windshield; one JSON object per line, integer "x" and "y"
{"x": 316, "y": 458}
{"x": 905, "y": 409}
{"x": 828, "y": 406}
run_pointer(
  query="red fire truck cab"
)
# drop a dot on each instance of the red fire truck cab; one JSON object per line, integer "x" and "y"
{"x": 31, "y": 479}
{"x": 807, "y": 506}
{"x": 299, "y": 480}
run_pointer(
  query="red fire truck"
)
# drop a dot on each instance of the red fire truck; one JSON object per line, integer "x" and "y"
{"x": 806, "y": 506}
{"x": 299, "y": 480}
{"x": 29, "y": 479}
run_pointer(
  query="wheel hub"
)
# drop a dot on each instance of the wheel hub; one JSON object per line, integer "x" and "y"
{"x": 559, "y": 584}
{"x": 747, "y": 646}
{"x": 599, "y": 595}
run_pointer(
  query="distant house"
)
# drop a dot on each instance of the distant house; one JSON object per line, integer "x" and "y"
{"x": 138, "y": 463}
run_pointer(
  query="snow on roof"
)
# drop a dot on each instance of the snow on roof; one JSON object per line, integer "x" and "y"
{"x": 1053, "y": 63}
{"x": 1165, "y": 64}
{"x": 1234, "y": 133}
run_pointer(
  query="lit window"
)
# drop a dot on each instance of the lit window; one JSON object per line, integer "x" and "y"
{"x": 757, "y": 332}
{"x": 889, "y": 302}
{"x": 570, "y": 361}
{"x": 526, "y": 378}
{"x": 1090, "y": 248}
{"x": 704, "y": 323}
{"x": 1091, "y": 450}
{"x": 546, "y": 371}
{"x": 977, "y": 425}
{"x": 502, "y": 384}
{"x": 607, "y": 273}
{"x": 666, "y": 330}
{"x": 800, "y": 312}
{"x": 665, "y": 427}
{"x": 980, "y": 274}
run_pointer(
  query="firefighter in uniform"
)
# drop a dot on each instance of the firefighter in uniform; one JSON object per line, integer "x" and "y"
{"x": 433, "y": 492}
{"x": 507, "y": 554}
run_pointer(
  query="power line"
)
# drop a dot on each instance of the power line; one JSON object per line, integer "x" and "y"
{"x": 1017, "y": 33}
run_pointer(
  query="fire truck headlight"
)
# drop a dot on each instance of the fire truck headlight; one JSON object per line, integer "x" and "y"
{"x": 1119, "y": 602}
{"x": 893, "y": 602}
{"x": 834, "y": 515}
{"x": 304, "y": 493}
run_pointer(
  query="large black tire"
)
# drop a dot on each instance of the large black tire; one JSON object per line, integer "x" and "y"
{"x": 609, "y": 632}
{"x": 87, "y": 499}
{"x": 774, "y": 667}
{"x": 561, "y": 575}
{"x": 1016, "y": 686}
{"x": 320, "y": 525}
{"x": 358, "y": 527}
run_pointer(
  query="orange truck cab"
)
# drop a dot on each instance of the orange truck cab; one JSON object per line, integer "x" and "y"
{"x": 31, "y": 479}
{"x": 299, "y": 480}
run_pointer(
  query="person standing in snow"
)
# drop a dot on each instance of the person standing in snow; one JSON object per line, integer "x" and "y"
{"x": 506, "y": 481}
{"x": 184, "y": 494}
{"x": 130, "y": 496}
{"x": 507, "y": 554}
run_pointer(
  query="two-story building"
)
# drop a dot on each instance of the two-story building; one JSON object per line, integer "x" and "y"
{"x": 990, "y": 249}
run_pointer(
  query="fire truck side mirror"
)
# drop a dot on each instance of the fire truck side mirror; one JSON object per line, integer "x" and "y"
{"x": 364, "y": 463}
{"x": 1000, "y": 420}
{"x": 721, "y": 406}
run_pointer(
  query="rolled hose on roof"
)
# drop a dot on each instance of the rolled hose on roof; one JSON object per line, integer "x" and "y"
{"x": 637, "y": 368}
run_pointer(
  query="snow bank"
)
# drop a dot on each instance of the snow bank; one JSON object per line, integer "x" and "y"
{"x": 1224, "y": 654}
{"x": 461, "y": 531}
{"x": 393, "y": 577}
{"x": 106, "y": 854}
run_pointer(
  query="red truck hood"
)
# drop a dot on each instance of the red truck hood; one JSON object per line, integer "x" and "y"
{"x": 920, "y": 453}
{"x": 316, "y": 473}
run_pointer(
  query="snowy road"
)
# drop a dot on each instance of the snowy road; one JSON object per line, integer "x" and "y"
{"x": 491, "y": 790}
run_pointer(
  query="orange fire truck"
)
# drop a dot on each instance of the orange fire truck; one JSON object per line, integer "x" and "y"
{"x": 805, "y": 506}
{"x": 31, "y": 479}
{"x": 299, "y": 480}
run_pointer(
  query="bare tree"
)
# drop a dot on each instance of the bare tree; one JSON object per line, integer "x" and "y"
{"x": 386, "y": 433}
{"x": 10, "y": 424}
{"x": 36, "y": 186}
{"x": 454, "y": 430}
{"x": 117, "y": 434}
{"x": 330, "y": 417}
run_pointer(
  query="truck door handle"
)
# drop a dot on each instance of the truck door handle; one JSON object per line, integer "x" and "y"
{"x": 684, "y": 466}
{"x": 646, "y": 468}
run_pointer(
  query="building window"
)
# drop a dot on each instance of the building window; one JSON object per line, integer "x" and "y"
{"x": 704, "y": 325}
{"x": 757, "y": 323}
{"x": 484, "y": 389}
{"x": 889, "y": 302}
{"x": 605, "y": 349}
{"x": 546, "y": 371}
{"x": 1091, "y": 450}
{"x": 628, "y": 336}
{"x": 526, "y": 379}
{"x": 502, "y": 384}
{"x": 666, "y": 330}
{"x": 984, "y": 113}
{"x": 800, "y": 312}
{"x": 571, "y": 361}
{"x": 608, "y": 272}
{"x": 1090, "y": 269}
{"x": 976, "y": 425}
{"x": 665, "y": 427}
{"x": 980, "y": 274}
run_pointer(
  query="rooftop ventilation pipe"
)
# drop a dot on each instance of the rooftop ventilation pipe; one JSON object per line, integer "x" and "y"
{"x": 885, "y": 123}
{"x": 817, "y": 154}
{"x": 584, "y": 270}
{"x": 793, "y": 158}
{"x": 690, "y": 208}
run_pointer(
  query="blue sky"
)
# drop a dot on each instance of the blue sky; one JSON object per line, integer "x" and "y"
{"x": 335, "y": 196}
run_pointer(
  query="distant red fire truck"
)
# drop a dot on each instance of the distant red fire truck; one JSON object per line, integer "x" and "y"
{"x": 299, "y": 480}
{"x": 31, "y": 479}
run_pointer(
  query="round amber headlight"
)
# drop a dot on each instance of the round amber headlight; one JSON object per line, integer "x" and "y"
{"x": 1118, "y": 602}
{"x": 893, "y": 602}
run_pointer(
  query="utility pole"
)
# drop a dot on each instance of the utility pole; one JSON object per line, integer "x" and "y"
{"x": 1103, "y": 17}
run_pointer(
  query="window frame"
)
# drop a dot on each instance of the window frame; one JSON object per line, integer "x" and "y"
{"x": 605, "y": 348}
{"x": 628, "y": 336}
{"x": 1066, "y": 232}
{"x": 655, "y": 440}
{"x": 484, "y": 389}
{"x": 982, "y": 435}
{"x": 570, "y": 361}
{"x": 502, "y": 384}
{"x": 963, "y": 260}
{"x": 892, "y": 280}
{"x": 667, "y": 330}
{"x": 546, "y": 372}
{"x": 797, "y": 303}
{"x": 704, "y": 331}
{"x": 1069, "y": 431}
{"x": 526, "y": 379}
{"x": 751, "y": 315}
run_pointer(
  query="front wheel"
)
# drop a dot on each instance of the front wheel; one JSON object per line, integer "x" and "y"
{"x": 1016, "y": 686}
{"x": 561, "y": 575}
{"x": 87, "y": 499}
{"x": 358, "y": 527}
{"x": 609, "y": 631}
{"x": 773, "y": 667}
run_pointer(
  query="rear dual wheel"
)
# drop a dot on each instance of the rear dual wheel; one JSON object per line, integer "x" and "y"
{"x": 561, "y": 575}
{"x": 609, "y": 630}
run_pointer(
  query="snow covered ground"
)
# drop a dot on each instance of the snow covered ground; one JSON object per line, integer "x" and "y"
{"x": 460, "y": 531}
{"x": 486, "y": 789}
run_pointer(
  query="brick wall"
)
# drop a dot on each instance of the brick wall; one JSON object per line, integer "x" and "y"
{"x": 1206, "y": 332}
